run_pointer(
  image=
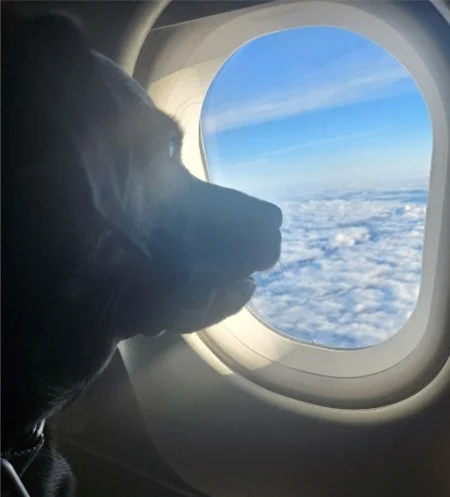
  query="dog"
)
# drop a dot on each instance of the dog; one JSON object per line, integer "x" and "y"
{"x": 105, "y": 234}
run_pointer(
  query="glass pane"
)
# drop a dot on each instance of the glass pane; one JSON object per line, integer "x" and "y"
{"x": 333, "y": 128}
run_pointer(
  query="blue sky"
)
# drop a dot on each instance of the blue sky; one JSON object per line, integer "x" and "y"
{"x": 315, "y": 107}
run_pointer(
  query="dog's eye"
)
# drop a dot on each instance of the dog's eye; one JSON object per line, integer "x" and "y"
{"x": 172, "y": 148}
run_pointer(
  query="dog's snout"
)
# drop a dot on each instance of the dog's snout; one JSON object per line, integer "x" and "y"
{"x": 270, "y": 214}
{"x": 239, "y": 234}
{"x": 264, "y": 233}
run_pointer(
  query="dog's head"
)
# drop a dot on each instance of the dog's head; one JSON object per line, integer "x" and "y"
{"x": 105, "y": 233}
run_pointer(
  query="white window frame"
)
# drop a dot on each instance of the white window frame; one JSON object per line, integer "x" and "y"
{"x": 399, "y": 367}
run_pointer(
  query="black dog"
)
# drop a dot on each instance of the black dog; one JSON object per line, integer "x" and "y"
{"x": 105, "y": 234}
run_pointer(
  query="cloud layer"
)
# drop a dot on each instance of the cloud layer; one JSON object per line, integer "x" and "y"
{"x": 350, "y": 267}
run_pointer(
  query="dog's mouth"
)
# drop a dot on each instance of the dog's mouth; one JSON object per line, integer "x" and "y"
{"x": 211, "y": 295}
{"x": 193, "y": 311}
{"x": 196, "y": 306}
{"x": 241, "y": 292}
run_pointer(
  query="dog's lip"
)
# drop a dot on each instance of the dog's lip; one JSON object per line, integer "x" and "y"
{"x": 238, "y": 289}
{"x": 201, "y": 302}
{"x": 242, "y": 291}
{"x": 211, "y": 306}
{"x": 238, "y": 293}
{"x": 266, "y": 267}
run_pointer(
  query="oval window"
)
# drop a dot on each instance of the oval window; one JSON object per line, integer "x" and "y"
{"x": 332, "y": 128}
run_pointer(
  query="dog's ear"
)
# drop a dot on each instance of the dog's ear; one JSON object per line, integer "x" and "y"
{"x": 45, "y": 97}
{"x": 50, "y": 76}
{"x": 62, "y": 82}
{"x": 67, "y": 83}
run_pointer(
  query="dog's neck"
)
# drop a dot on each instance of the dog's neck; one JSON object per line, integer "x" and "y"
{"x": 21, "y": 448}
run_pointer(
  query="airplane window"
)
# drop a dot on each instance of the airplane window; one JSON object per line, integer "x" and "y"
{"x": 334, "y": 129}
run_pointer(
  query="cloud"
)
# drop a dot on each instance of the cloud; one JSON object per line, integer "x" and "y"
{"x": 350, "y": 267}
{"x": 324, "y": 141}
{"x": 268, "y": 156}
{"x": 358, "y": 77}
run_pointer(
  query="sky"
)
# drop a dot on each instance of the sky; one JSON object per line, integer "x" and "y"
{"x": 334, "y": 129}
{"x": 317, "y": 106}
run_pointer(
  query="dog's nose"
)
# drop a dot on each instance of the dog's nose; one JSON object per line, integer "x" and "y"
{"x": 271, "y": 213}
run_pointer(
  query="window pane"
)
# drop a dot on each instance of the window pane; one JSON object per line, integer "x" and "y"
{"x": 333, "y": 128}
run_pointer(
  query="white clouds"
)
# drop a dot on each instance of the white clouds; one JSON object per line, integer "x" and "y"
{"x": 354, "y": 78}
{"x": 350, "y": 267}
{"x": 349, "y": 237}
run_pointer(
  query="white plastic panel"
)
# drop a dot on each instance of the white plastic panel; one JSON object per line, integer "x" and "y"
{"x": 222, "y": 409}
{"x": 179, "y": 80}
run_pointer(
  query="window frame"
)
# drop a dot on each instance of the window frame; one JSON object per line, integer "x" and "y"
{"x": 402, "y": 365}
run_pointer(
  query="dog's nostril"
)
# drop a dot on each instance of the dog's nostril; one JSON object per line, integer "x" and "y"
{"x": 273, "y": 214}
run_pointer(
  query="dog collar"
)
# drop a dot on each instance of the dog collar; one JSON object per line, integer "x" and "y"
{"x": 17, "y": 459}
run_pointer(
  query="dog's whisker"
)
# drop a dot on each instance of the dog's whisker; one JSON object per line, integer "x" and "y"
{"x": 277, "y": 275}
{"x": 274, "y": 273}
{"x": 283, "y": 267}
{"x": 95, "y": 250}
{"x": 108, "y": 303}
{"x": 182, "y": 107}
{"x": 116, "y": 305}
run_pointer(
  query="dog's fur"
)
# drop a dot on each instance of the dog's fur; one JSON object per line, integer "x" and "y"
{"x": 105, "y": 233}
